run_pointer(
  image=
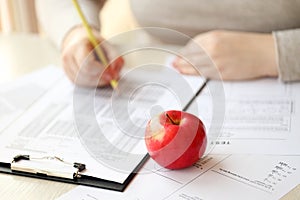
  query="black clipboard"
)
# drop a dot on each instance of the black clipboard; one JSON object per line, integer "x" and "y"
{"x": 84, "y": 179}
{"x": 7, "y": 168}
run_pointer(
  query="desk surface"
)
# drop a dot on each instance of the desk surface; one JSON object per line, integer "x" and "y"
{"x": 21, "y": 54}
{"x": 24, "y": 53}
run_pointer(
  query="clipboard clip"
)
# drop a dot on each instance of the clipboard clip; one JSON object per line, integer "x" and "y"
{"x": 47, "y": 165}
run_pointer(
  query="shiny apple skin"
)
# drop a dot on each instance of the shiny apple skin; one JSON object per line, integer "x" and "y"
{"x": 175, "y": 139}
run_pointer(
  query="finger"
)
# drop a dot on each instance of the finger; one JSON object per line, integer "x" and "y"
{"x": 88, "y": 81}
{"x": 192, "y": 70}
{"x": 104, "y": 75}
{"x": 109, "y": 50}
{"x": 193, "y": 64}
{"x": 69, "y": 67}
{"x": 188, "y": 71}
{"x": 115, "y": 62}
{"x": 92, "y": 68}
{"x": 80, "y": 77}
{"x": 192, "y": 47}
{"x": 192, "y": 59}
{"x": 98, "y": 79}
{"x": 116, "y": 67}
{"x": 211, "y": 73}
{"x": 84, "y": 56}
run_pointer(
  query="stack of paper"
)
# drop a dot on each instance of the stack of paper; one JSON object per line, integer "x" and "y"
{"x": 252, "y": 128}
{"x": 256, "y": 155}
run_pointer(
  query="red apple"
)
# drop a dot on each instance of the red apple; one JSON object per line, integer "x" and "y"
{"x": 175, "y": 139}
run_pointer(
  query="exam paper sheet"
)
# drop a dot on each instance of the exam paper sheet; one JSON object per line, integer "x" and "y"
{"x": 18, "y": 95}
{"x": 261, "y": 117}
{"x": 231, "y": 177}
{"x": 57, "y": 126}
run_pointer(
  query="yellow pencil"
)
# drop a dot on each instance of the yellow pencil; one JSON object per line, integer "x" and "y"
{"x": 93, "y": 40}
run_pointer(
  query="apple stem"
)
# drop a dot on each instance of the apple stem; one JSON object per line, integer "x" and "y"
{"x": 168, "y": 116}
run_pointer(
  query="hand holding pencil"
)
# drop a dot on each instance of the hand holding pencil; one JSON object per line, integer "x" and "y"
{"x": 83, "y": 63}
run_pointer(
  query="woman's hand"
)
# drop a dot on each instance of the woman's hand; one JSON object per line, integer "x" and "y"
{"x": 82, "y": 67}
{"x": 229, "y": 56}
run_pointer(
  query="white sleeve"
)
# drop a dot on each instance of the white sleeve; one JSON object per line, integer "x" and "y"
{"x": 58, "y": 17}
{"x": 288, "y": 49}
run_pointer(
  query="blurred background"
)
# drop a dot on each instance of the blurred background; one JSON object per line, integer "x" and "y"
{"x": 23, "y": 49}
{"x": 18, "y": 16}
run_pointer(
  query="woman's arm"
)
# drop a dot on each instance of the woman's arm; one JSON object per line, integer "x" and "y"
{"x": 61, "y": 22}
{"x": 230, "y": 55}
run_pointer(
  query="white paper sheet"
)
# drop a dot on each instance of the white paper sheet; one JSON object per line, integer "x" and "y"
{"x": 261, "y": 117}
{"x": 232, "y": 177}
{"x": 17, "y": 96}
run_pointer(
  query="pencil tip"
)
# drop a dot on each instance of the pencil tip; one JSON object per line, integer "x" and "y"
{"x": 114, "y": 84}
